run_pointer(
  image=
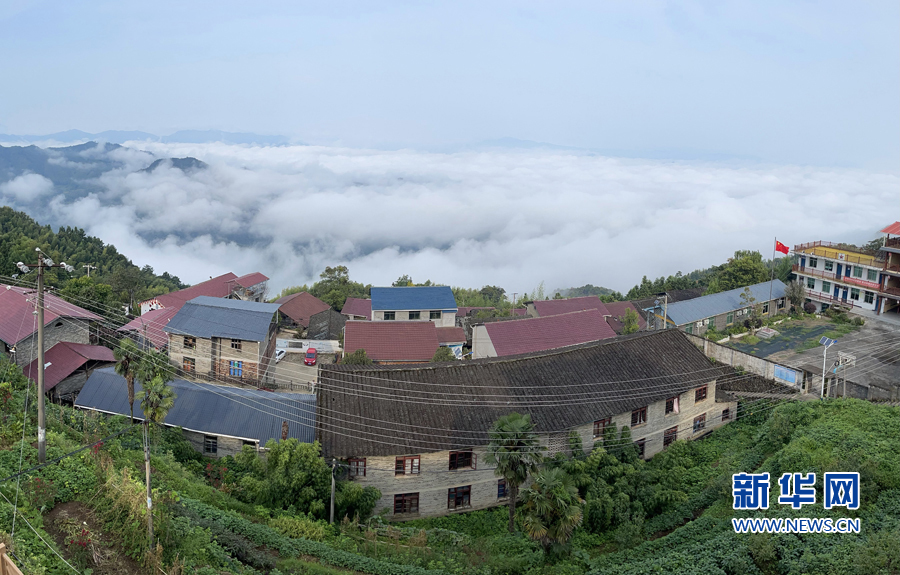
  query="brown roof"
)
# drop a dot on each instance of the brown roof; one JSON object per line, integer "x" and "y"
{"x": 395, "y": 410}
{"x": 551, "y": 332}
{"x": 451, "y": 334}
{"x": 893, "y": 229}
{"x": 251, "y": 279}
{"x": 558, "y": 306}
{"x": 214, "y": 287}
{"x": 392, "y": 340}
{"x": 17, "y": 319}
{"x": 356, "y": 306}
{"x": 617, "y": 311}
{"x": 64, "y": 358}
{"x": 151, "y": 324}
{"x": 301, "y": 306}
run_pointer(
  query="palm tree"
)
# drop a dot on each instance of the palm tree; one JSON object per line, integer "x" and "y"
{"x": 128, "y": 356}
{"x": 551, "y": 508}
{"x": 515, "y": 450}
{"x": 157, "y": 398}
{"x": 154, "y": 364}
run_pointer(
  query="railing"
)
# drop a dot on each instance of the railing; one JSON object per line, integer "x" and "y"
{"x": 813, "y": 272}
{"x": 892, "y": 243}
{"x": 826, "y": 298}
{"x": 875, "y": 286}
{"x": 891, "y": 291}
{"x": 838, "y": 249}
{"x": 7, "y": 567}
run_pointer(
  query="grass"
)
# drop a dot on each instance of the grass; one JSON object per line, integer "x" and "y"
{"x": 751, "y": 340}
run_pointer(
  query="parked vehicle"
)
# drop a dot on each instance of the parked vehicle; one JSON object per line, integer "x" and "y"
{"x": 311, "y": 356}
{"x": 279, "y": 355}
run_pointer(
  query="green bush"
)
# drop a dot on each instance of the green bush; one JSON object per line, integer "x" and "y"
{"x": 299, "y": 527}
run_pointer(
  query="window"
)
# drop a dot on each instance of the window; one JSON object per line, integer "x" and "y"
{"x": 689, "y": 329}
{"x": 766, "y": 308}
{"x": 854, "y": 293}
{"x": 672, "y": 405}
{"x": 670, "y": 435}
{"x": 829, "y": 266}
{"x": 407, "y": 465}
{"x": 502, "y": 493}
{"x": 187, "y": 364}
{"x": 236, "y": 368}
{"x": 415, "y": 315}
{"x": 462, "y": 460}
{"x": 236, "y": 344}
{"x": 639, "y": 417}
{"x": 811, "y": 283}
{"x": 872, "y": 275}
{"x": 813, "y": 262}
{"x": 434, "y": 314}
{"x": 458, "y": 497}
{"x": 868, "y": 297}
{"x": 389, "y": 315}
{"x": 726, "y": 414}
{"x": 699, "y": 423}
{"x": 600, "y": 426}
{"x": 826, "y": 287}
{"x": 640, "y": 443}
{"x": 406, "y": 503}
{"x": 729, "y": 319}
{"x": 700, "y": 394}
{"x": 857, "y": 272}
{"x": 190, "y": 342}
{"x": 357, "y": 467}
{"x": 210, "y": 444}
{"x": 781, "y": 303}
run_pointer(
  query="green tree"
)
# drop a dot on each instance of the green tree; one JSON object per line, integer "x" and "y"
{"x": 155, "y": 364}
{"x": 514, "y": 448}
{"x": 443, "y": 353}
{"x": 358, "y": 357}
{"x": 795, "y": 292}
{"x": 291, "y": 474}
{"x": 403, "y": 281}
{"x": 352, "y": 500}
{"x": 551, "y": 508}
{"x": 88, "y": 293}
{"x": 156, "y": 398}
{"x": 493, "y": 294}
{"x": 744, "y": 269}
{"x": 630, "y": 321}
{"x": 128, "y": 357}
{"x": 127, "y": 282}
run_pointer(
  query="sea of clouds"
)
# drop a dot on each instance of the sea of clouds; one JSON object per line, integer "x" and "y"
{"x": 512, "y": 218}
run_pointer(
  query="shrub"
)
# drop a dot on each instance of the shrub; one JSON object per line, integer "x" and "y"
{"x": 298, "y": 527}
{"x": 809, "y": 307}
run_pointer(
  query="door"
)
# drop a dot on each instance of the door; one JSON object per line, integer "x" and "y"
{"x": 837, "y": 291}
{"x": 838, "y": 274}
{"x": 844, "y": 295}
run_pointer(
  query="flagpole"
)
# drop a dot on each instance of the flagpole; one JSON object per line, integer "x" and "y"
{"x": 772, "y": 280}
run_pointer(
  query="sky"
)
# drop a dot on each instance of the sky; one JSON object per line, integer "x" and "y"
{"x": 680, "y": 132}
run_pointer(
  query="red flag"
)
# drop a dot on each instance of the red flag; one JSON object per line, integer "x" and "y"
{"x": 780, "y": 247}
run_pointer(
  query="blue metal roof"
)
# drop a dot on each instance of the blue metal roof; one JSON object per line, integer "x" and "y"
{"x": 213, "y": 409}
{"x": 208, "y": 317}
{"x": 413, "y": 298}
{"x": 684, "y": 312}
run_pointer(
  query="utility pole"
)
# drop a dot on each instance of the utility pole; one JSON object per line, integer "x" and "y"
{"x": 333, "y": 463}
{"x": 43, "y": 262}
{"x": 147, "y": 467}
{"x": 89, "y": 268}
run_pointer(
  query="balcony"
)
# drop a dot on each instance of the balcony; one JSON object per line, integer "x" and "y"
{"x": 892, "y": 243}
{"x": 826, "y": 298}
{"x": 839, "y": 253}
{"x": 891, "y": 291}
{"x": 829, "y": 276}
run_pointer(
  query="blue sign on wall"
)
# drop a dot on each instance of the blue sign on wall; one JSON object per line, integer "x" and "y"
{"x": 785, "y": 374}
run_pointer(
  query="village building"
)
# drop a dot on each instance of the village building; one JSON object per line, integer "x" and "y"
{"x": 251, "y": 287}
{"x": 544, "y": 308}
{"x": 297, "y": 308}
{"x": 355, "y": 308}
{"x": 147, "y": 329}
{"x": 889, "y": 300}
{"x": 67, "y": 367}
{"x": 63, "y": 322}
{"x": 326, "y": 325}
{"x": 415, "y": 303}
{"x": 834, "y": 274}
{"x": 723, "y": 310}
{"x": 398, "y": 433}
{"x": 224, "y": 339}
{"x": 217, "y": 420}
{"x": 452, "y": 337}
{"x": 224, "y": 286}
{"x": 616, "y": 317}
{"x": 650, "y": 308}
{"x": 527, "y": 335}
{"x": 389, "y": 342}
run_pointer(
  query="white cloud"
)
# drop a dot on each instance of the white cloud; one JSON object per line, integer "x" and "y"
{"x": 512, "y": 219}
{"x": 26, "y": 188}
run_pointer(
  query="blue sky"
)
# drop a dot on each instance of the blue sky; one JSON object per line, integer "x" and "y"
{"x": 773, "y": 82}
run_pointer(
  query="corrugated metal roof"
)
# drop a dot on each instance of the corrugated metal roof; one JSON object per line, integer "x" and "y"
{"x": 392, "y": 340}
{"x": 251, "y": 279}
{"x": 209, "y": 317}
{"x": 212, "y": 409}
{"x": 545, "y": 333}
{"x": 64, "y": 358}
{"x": 548, "y": 307}
{"x": 301, "y": 306}
{"x": 413, "y": 298}
{"x": 17, "y": 304}
{"x": 215, "y": 287}
{"x": 151, "y": 324}
{"x": 356, "y": 306}
{"x": 684, "y": 312}
{"x": 893, "y": 229}
{"x": 450, "y": 334}
{"x": 617, "y": 311}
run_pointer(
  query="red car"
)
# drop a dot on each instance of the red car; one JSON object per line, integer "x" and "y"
{"x": 311, "y": 356}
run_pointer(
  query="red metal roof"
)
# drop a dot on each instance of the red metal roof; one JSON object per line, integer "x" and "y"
{"x": 617, "y": 311}
{"x": 301, "y": 306}
{"x": 520, "y": 311}
{"x": 251, "y": 279}
{"x": 558, "y": 306}
{"x": 64, "y": 358}
{"x": 893, "y": 229}
{"x": 451, "y": 334}
{"x": 392, "y": 340}
{"x": 17, "y": 320}
{"x": 151, "y": 324}
{"x": 215, "y": 287}
{"x": 356, "y": 306}
{"x": 545, "y": 333}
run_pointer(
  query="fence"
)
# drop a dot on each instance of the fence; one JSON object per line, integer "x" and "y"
{"x": 786, "y": 376}
{"x": 7, "y": 567}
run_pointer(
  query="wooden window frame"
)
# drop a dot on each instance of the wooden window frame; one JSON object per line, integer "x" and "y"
{"x": 639, "y": 417}
{"x": 670, "y": 436}
{"x": 406, "y": 503}
{"x": 435, "y": 314}
{"x": 699, "y": 423}
{"x": 210, "y": 445}
{"x": 357, "y": 466}
{"x": 400, "y": 465}
{"x": 459, "y": 497}
{"x": 674, "y": 404}
{"x": 190, "y": 342}
{"x": 188, "y": 364}
{"x": 600, "y": 426}
{"x": 765, "y": 308}
{"x": 729, "y": 318}
{"x": 458, "y": 460}
{"x": 236, "y": 344}
{"x": 701, "y": 394}
{"x": 392, "y": 314}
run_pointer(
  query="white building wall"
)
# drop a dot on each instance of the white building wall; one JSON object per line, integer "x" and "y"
{"x": 448, "y": 317}
{"x": 482, "y": 346}
{"x": 817, "y": 292}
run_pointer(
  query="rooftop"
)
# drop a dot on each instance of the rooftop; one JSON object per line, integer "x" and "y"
{"x": 209, "y": 317}
{"x": 840, "y": 252}
{"x": 251, "y": 279}
{"x": 558, "y": 306}
{"x": 301, "y": 306}
{"x": 617, "y": 313}
{"x": 392, "y": 340}
{"x": 17, "y": 320}
{"x": 356, "y": 306}
{"x": 214, "y": 287}
{"x": 551, "y": 332}
{"x": 450, "y": 334}
{"x": 243, "y": 413}
{"x": 64, "y": 358}
{"x": 688, "y": 311}
{"x": 413, "y": 298}
{"x": 151, "y": 324}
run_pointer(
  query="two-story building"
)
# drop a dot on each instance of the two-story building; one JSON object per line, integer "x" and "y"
{"x": 414, "y": 303}
{"x": 527, "y": 335}
{"x": 835, "y": 274}
{"x": 250, "y": 287}
{"x": 224, "y": 339}
{"x": 420, "y": 433}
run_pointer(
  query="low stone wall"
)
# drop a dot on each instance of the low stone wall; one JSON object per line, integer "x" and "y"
{"x": 784, "y": 375}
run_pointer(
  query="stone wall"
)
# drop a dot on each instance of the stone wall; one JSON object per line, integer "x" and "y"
{"x": 67, "y": 329}
{"x": 224, "y": 445}
{"x": 751, "y": 363}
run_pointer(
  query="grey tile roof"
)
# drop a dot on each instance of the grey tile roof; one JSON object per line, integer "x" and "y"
{"x": 212, "y": 409}
{"x": 684, "y": 312}
{"x": 208, "y": 317}
{"x": 396, "y": 410}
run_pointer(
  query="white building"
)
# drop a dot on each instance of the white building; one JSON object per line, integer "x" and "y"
{"x": 835, "y": 275}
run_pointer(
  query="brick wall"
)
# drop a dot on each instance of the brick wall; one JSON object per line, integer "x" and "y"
{"x": 64, "y": 329}
{"x": 224, "y": 445}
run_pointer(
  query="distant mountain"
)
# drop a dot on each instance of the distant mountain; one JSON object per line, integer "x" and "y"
{"x": 209, "y": 136}
{"x": 122, "y": 136}
{"x": 112, "y": 136}
{"x": 184, "y": 164}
